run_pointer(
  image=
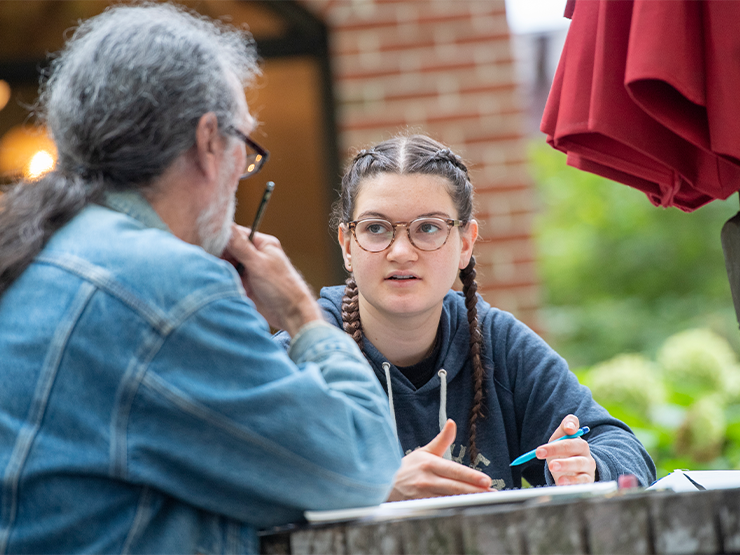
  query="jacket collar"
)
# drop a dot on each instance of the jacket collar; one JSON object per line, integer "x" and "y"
{"x": 133, "y": 204}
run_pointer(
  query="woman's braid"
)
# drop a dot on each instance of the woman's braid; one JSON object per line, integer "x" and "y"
{"x": 351, "y": 311}
{"x": 470, "y": 287}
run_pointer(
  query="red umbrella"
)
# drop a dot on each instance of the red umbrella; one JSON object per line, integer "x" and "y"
{"x": 645, "y": 94}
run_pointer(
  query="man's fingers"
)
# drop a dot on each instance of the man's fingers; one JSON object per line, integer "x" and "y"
{"x": 443, "y": 440}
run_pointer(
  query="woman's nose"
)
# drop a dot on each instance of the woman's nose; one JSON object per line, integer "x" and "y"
{"x": 402, "y": 250}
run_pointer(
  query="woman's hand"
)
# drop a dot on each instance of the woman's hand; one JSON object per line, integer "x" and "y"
{"x": 569, "y": 460}
{"x": 424, "y": 473}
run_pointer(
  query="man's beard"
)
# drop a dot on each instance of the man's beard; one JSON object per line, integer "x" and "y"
{"x": 214, "y": 222}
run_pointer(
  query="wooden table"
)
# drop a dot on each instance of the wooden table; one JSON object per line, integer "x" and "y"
{"x": 629, "y": 521}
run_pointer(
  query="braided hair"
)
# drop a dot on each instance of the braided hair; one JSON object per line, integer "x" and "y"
{"x": 417, "y": 154}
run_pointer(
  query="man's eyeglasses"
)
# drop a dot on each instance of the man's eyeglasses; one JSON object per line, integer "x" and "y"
{"x": 256, "y": 155}
{"x": 426, "y": 234}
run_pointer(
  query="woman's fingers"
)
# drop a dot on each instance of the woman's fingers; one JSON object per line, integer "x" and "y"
{"x": 570, "y": 461}
{"x": 424, "y": 474}
{"x": 568, "y": 426}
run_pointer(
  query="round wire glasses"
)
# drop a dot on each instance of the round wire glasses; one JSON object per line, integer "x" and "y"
{"x": 426, "y": 234}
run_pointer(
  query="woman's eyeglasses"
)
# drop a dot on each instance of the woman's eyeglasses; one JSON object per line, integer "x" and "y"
{"x": 426, "y": 234}
{"x": 256, "y": 155}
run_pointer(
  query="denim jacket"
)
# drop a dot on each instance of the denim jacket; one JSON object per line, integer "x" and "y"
{"x": 144, "y": 407}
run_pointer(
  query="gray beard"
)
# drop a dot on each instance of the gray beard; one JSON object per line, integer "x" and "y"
{"x": 214, "y": 222}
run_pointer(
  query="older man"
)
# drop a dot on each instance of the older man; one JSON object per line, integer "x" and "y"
{"x": 143, "y": 404}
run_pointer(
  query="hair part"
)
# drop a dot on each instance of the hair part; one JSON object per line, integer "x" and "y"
{"x": 122, "y": 102}
{"x": 405, "y": 155}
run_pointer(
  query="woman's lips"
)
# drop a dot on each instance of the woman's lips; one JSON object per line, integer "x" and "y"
{"x": 402, "y": 277}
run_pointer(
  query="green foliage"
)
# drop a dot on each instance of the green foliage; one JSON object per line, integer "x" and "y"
{"x": 619, "y": 274}
{"x": 622, "y": 276}
{"x": 694, "y": 426}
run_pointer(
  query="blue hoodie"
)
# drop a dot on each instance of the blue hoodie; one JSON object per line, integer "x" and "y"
{"x": 528, "y": 390}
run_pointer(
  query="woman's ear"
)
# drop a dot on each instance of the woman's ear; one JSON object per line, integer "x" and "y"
{"x": 345, "y": 238}
{"x": 468, "y": 235}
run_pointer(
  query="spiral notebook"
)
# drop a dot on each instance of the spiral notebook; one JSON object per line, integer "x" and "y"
{"x": 414, "y": 507}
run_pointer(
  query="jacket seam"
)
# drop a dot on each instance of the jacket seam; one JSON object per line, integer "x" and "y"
{"x": 103, "y": 279}
{"x": 192, "y": 407}
{"x": 141, "y": 518}
{"x": 162, "y": 321}
{"x": 138, "y": 369}
{"x": 37, "y": 410}
{"x": 124, "y": 400}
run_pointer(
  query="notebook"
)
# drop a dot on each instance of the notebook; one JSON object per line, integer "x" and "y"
{"x": 414, "y": 507}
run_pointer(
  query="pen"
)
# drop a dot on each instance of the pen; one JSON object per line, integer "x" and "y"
{"x": 261, "y": 210}
{"x": 257, "y": 219}
{"x": 532, "y": 454}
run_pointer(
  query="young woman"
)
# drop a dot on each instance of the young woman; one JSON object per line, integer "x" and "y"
{"x": 470, "y": 387}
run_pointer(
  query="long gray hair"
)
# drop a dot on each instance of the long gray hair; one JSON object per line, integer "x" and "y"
{"x": 122, "y": 101}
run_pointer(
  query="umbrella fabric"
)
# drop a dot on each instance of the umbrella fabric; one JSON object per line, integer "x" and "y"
{"x": 630, "y": 98}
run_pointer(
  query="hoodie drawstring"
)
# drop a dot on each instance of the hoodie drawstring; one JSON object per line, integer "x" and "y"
{"x": 442, "y": 373}
{"x": 387, "y": 369}
{"x": 443, "y": 407}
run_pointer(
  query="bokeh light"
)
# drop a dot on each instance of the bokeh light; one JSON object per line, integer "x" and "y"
{"x": 4, "y": 94}
{"x": 40, "y": 163}
{"x": 26, "y": 151}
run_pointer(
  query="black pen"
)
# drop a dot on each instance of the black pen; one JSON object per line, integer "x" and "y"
{"x": 261, "y": 210}
{"x": 257, "y": 219}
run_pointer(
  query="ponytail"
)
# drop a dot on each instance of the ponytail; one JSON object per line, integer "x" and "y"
{"x": 30, "y": 213}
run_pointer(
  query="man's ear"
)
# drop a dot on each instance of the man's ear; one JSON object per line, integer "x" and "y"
{"x": 208, "y": 145}
{"x": 468, "y": 235}
{"x": 345, "y": 238}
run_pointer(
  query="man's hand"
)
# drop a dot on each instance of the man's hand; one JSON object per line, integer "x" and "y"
{"x": 569, "y": 460}
{"x": 270, "y": 280}
{"x": 424, "y": 473}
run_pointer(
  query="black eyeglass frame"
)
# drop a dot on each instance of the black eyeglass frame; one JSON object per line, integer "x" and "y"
{"x": 450, "y": 224}
{"x": 261, "y": 152}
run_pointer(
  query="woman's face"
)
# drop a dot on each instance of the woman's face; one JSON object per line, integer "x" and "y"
{"x": 403, "y": 280}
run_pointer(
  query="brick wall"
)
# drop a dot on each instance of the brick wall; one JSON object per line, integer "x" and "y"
{"x": 444, "y": 67}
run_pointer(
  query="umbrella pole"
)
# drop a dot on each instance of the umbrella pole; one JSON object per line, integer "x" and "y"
{"x": 731, "y": 248}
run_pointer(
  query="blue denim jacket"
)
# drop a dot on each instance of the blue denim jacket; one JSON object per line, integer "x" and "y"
{"x": 144, "y": 407}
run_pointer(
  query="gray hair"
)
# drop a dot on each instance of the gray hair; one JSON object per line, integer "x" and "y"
{"x": 125, "y": 95}
{"x": 122, "y": 101}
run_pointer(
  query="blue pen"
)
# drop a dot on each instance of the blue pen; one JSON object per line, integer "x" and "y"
{"x": 532, "y": 454}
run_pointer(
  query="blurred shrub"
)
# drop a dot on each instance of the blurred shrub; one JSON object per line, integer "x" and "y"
{"x": 619, "y": 274}
{"x": 684, "y": 406}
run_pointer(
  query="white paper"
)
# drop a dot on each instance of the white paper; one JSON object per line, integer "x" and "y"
{"x": 415, "y": 507}
{"x": 678, "y": 480}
